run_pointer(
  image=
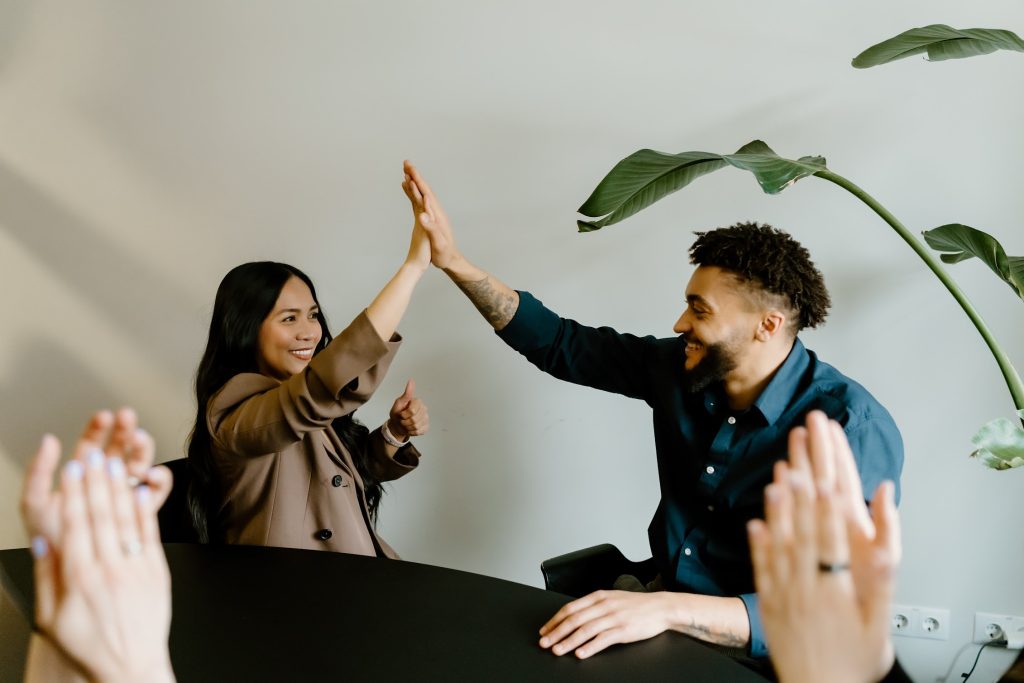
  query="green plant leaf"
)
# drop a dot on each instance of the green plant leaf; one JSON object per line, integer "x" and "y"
{"x": 961, "y": 242}
{"x": 940, "y": 42}
{"x": 647, "y": 176}
{"x": 1000, "y": 443}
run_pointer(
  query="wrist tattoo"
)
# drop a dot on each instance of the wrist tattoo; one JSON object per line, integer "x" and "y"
{"x": 710, "y": 635}
{"x": 498, "y": 308}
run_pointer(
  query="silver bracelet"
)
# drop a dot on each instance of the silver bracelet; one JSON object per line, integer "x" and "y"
{"x": 390, "y": 438}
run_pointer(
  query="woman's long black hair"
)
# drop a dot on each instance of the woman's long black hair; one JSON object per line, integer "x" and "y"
{"x": 245, "y": 298}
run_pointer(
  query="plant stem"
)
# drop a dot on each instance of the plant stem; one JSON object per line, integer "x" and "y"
{"x": 1013, "y": 380}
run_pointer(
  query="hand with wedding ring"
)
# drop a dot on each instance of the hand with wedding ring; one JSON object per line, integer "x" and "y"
{"x": 825, "y": 569}
{"x": 102, "y": 582}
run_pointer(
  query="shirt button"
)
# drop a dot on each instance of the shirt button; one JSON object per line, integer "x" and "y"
{"x": 324, "y": 534}
{"x": 336, "y": 481}
{"x": 731, "y": 420}
{"x": 709, "y": 469}
{"x": 687, "y": 552}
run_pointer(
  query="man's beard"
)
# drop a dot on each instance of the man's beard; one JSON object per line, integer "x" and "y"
{"x": 719, "y": 360}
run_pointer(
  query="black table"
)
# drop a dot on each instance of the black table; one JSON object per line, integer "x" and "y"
{"x": 270, "y": 614}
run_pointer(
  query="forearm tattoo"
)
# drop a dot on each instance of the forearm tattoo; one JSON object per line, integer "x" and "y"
{"x": 498, "y": 308}
{"x": 710, "y": 635}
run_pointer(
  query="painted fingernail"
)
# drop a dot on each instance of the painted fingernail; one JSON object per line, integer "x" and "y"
{"x": 95, "y": 458}
{"x": 142, "y": 493}
{"x": 141, "y": 433}
{"x": 39, "y": 547}
{"x": 115, "y": 468}
{"x": 73, "y": 470}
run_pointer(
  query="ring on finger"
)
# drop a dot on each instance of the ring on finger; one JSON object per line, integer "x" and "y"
{"x": 131, "y": 547}
{"x": 833, "y": 567}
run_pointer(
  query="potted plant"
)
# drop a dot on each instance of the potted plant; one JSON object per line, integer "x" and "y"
{"x": 646, "y": 176}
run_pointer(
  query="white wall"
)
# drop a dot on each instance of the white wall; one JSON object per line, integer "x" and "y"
{"x": 146, "y": 148}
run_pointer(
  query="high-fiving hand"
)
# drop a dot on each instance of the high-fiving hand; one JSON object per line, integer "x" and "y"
{"x": 431, "y": 217}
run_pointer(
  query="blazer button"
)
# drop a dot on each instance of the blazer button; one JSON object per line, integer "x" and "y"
{"x": 324, "y": 534}
{"x": 336, "y": 481}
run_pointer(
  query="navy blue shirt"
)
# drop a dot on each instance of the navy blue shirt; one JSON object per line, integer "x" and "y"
{"x": 713, "y": 462}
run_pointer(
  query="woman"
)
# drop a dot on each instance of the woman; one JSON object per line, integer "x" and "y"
{"x": 276, "y": 456}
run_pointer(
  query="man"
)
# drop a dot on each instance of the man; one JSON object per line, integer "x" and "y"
{"x": 724, "y": 395}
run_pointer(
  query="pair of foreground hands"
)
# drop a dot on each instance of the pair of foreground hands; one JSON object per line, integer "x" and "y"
{"x": 824, "y": 571}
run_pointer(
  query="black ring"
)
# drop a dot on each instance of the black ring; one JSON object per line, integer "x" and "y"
{"x": 832, "y": 567}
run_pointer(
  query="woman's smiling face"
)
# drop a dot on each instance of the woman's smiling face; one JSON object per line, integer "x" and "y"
{"x": 290, "y": 334}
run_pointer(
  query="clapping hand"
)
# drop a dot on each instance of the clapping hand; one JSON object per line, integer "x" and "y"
{"x": 102, "y": 583}
{"x": 823, "y": 568}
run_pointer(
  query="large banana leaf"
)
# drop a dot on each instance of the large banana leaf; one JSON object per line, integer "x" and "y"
{"x": 646, "y": 176}
{"x": 940, "y": 42}
{"x": 1000, "y": 443}
{"x": 961, "y": 242}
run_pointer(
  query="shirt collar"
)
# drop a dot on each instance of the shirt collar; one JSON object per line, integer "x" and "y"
{"x": 779, "y": 392}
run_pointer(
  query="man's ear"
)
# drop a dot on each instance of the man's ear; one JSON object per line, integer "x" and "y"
{"x": 773, "y": 322}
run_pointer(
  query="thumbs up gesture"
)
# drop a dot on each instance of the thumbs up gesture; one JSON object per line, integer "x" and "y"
{"x": 408, "y": 415}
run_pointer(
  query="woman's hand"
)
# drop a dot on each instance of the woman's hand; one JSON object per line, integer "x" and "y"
{"x": 419, "y": 243}
{"x": 103, "y": 587}
{"x": 409, "y": 416}
{"x": 119, "y": 434}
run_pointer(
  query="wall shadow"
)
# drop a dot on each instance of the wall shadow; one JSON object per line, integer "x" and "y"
{"x": 139, "y": 303}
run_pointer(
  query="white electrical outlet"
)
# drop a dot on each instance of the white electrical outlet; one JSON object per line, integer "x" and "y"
{"x": 988, "y": 626}
{"x": 920, "y": 622}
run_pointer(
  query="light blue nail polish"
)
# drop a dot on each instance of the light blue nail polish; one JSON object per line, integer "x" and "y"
{"x": 95, "y": 458}
{"x": 39, "y": 547}
{"x": 73, "y": 470}
{"x": 142, "y": 493}
{"x": 115, "y": 468}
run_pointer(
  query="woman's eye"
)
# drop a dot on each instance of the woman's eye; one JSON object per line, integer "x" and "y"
{"x": 288, "y": 319}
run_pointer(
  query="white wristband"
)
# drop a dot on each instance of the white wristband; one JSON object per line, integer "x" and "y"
{"x": 390, "y": 438}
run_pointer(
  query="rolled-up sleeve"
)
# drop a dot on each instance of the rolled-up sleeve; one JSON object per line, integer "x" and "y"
{"x": 758, "y": 646}
{"x": 254, "y": 414}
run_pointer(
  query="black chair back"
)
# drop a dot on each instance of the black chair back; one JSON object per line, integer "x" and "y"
{"x": 174, "y": 517}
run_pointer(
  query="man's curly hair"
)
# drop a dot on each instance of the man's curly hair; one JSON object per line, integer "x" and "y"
{"x": 768, "y": 261}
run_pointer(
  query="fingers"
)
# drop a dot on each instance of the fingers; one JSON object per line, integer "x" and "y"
{"x": 76, "y": 546}
{"x": 819, "y": 440}
{"x": 761, "y": 557}
{"x": 95, "y": 435}
{"x": 145, "y": 512}
{"x": 568, "y": 610}
{"x": 803, "y": 554}
{"x": 122, "y": 434}
{"x": 799, "y": 460}
{"x": 602, "y": 641}
{"x": 576, "y": 625}
{"x": 779, "y": 518}
{"x": 414, "y": 418}
{"x": 141, "y": 453}
{"x": 848, "y": 483}
{"x": 100, "y": 505}
{"x": 123, "y": 506}
{"x": 44, "y": 567}
{"x": 887, "y": 522}
{"x": 421, "y": 184}
{"x": 159, "y": 480}
{"x": 833, "y": 547}
{"x": 410, "y": 389}
{"x": 37, "y": 495}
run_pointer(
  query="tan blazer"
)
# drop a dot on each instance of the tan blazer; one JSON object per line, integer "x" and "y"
{"x": 287, "y": 478}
